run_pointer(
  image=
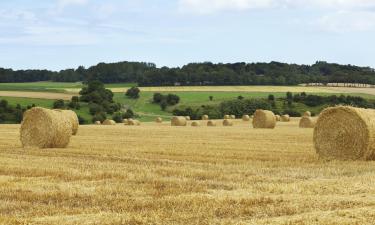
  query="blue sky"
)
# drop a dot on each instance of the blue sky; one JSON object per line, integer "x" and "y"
{"x": 58, "y": 34}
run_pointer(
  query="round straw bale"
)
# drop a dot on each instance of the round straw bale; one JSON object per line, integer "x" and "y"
{"x": 109, "y": 122}
{"x": 345, "y": 133}
{"x": 125, "y": 121}
{"x": 45, "y": 128}
{"x": 233, "y": 117}
{"x": 178, "y": 121}
{"x": 195, "y": 124}
{"x": 246, "y": 118}
{"x": 307, "y": 122}
{"x": 264, "y": 119}
{"x": 227, "y": 123}
{"x": 187, "y": 118}
{"x": 211, "y": 123}
{"x": 277, "y": 117}
{"x": 134, "y": 123}
{"x": 159, "y": 120}
{"x": 307, "y": 114}
{"x": 227, "y": 117}
{"x": 73, "y": 118}
{"x": 285, "y": 118}
{"x": 205, "y": 117}
{"x": 98, "y": 123}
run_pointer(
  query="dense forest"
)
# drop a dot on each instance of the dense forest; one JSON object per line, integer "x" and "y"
{"x": 147, "y": 74}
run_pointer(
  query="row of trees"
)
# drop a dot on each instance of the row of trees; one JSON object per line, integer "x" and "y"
{"x": 147, "y": 74}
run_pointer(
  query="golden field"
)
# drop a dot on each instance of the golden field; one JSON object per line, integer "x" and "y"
{"x": 158, "y": 174}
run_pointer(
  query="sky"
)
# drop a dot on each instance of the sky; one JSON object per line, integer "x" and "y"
{"x": 60, "y": 34}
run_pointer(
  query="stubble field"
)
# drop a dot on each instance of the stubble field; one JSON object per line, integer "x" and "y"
{"x": 158, "y": 174}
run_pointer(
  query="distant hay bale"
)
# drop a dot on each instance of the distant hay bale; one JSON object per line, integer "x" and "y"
{"x": 98, "y": 123}
{"x": 73, "y": 118}
{"x": 246, "y": 118}
{"x": 211, "y": 123}
{"x": 345, "y": 133}
{"x": 264, "y": 119}
{"x": 307, "y": 114}
{"x": 233, "y": 117}
{"x": 195, "y": 124}
{"x": 109, "y": 122}
{"x": 125, "y": 121}
{"x": 178, "y": 121}
{"x": 277, "y": 117}
{"x": 134, "y": 123}
{"x": 45, "y": 128}
{"x": 307, "y": 122}
{"x": 285, "y": 118}
{"x": 227, "y": 117}
{"x": 159, "y": 120}
{"x": 205, "y": 117}
{"x": 187, "y": 118}
{"x": 227, "y": 123}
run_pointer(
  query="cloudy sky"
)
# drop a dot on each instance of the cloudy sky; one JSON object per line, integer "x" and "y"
{"x": 57, "y": 34}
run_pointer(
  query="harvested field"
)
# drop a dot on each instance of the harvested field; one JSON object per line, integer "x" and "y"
{"x": 159, "y": 174}
{"x": 38, "y": 95}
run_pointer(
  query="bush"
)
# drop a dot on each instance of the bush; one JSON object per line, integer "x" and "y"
{"x": 81, "y": 120}
{"x": 117, "y": 117}
{"x": 242, "y": 107}
{"x": 59, "y": 104}
{"x": 292, "y": 113}
{"x": 157, "y": 98}
{"x": 99, "y": 117}
{"x": 128, "y": 114}
{"x": 133, "y": 92}
{"x": 165, "y": 100}
{"x": 95, "y": 109}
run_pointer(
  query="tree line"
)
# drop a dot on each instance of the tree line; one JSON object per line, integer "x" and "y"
{"x": 207, "y": 73}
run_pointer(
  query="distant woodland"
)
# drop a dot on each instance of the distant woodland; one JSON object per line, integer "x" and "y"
{"x": 195, "y": 74}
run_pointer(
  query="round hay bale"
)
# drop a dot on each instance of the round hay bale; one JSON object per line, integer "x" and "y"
{"x": 98, "y": 123}
{"x": 134, "y": 123}
{"x": 73, "y": 119}
{"x": 285, "y": 118}
{"x": 278, "y": 118}
{"x": 109, "y": 122}
{"x": 307, "y": 114}
{"x": 227, "y": 117}
{"x": 45, "y": 128}
{"x": 211, "y": 123}
{"x": 159, "y": 120}
{"x": 187, "y": 118}
{"x": 345, "y": 133}
{"x": 232, "y": 117}
{"x": 178, "y": 121}
{"x": 205, "y": 117}
{"x": 307, "y": 122}
{"x": 246, "y": 118}
{"x": 125, "y": 121}
{"x": 227, "y": 123}
{"x": 195, "y": 124}
{"x": 264, "y": 119}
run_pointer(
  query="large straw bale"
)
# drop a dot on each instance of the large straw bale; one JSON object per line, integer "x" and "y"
{"x": 227, "y": 123}
{"x": 205, "y": 117}
{"x": 73, "y": 118}
{"x": 264, "y": 119}
{"x": 211, "y": 123}
{"x": 109, "y": 122}
{"x": 246, "y": 118}
{"x": 285, "y": 118}
{"x": 178, "y": 121}
{"x": 45, "y": 128}
{"x": 307, "y": 122}
{"x": 345, "y": 133}
{"x": 195, "y": 124}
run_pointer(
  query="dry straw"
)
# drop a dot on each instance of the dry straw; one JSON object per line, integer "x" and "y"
{"x": 345, "y": 133}
{"x": 211, "y": 123}
{"x": 134, "y": 123}
{"x": 73, "y": 118}
{"x": 195, "y": 124}
{"x": 307, "y": 122}
{"x": 227, "y": 123}
{"x": 227, "y": 117}
{"x": 205, "y": 117}
{"x": 125, "y": 121}
{"x": 285, "y": 118}
{"x": 178, "y": 121}
{"x": 307, "y": 114}
{"x": 158, "y": 120}
{"x": 264, "y": 119}
{"x": 98, "y": 123}
{"x": 233, "y": 117}
{"x": 45, "y": 128}
{"x": 277, "y": 117}
{"x": 109, "y": 122}
{"x": 187, "y": 118}
{"x": 246, "y": 118}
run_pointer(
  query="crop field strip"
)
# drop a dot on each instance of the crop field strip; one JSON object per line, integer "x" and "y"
{"x": 160, "y": 174}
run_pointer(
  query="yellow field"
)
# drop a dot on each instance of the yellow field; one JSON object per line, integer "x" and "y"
{"x": 38, "y": 95}
{"x": 158, "y": 174}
